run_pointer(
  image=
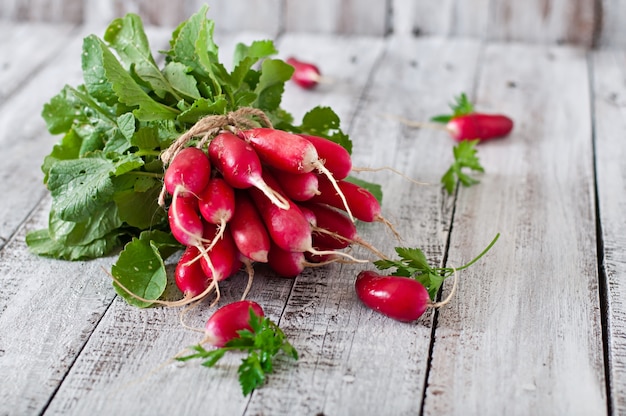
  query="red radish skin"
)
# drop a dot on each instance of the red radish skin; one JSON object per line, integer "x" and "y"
{"x": 223, "y": 325}
{"x": 305, "y": 74}
{"x": 362, "y": 203}
{"x": 288, "y": 228}
{"x": 334, "y": 156}
{"x": 400, "y": 298}
{"x": 189, "y": 276}
{"x": 223, "y": 257}
{"x": 217, "y": 202}
{"x": 333, "y": 229}
{"x": 479, "y": 126}
{"x": 290, "y": 153}
{"x": 299, "y": 186}
{"x": 309, "y": 215}
{"x": 284, "y": 263}
{"x": 184, "y": 220}
{"x": 240, "y": 165}
{"x": 248, "y": 230}
{"x": 283, "y": 150}
{"x": 190, "y": 171}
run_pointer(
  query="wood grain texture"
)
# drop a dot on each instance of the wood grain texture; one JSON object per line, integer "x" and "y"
{"x": 525, "y": 326}
{"x": 535, "y": 21}
{"x": 609, "y": 102}
{"x": 349, "y": 351}
{"x": 338, "y": 17}
{"x": 48, "y": 309}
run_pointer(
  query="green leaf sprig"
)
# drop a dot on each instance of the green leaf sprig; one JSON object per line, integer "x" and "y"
{"x": 464, "y": 158}
{"x": 262, "y": 344}
{"x": 460, "y": 107}
{"x": 413, "y": 263}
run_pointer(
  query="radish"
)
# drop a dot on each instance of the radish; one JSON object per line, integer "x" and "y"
{"x": 297, "y": 186}
{"x": 479, "y": 126}
{"x": 189, "y": 276}
{"x": 286, "y": 263}
{"x": 217, "y": 205}
{"x": 223, "y": 259}
{"x": 333, "y": 230}
{"x": 189, "y": 172}
{"x": 224, "y": 324}
{"x": 290, "y": 153}
{"x": 336, "y": 158}
{"x": 247, "y": 229}
{"x": 288, "y": 228}
{"x": 184, "y": 220}
{"x": 362, "y": 203}
{"x": 305, "y": 74}
{"x": 397, "y": 297}
{"x": 240, "y": 166}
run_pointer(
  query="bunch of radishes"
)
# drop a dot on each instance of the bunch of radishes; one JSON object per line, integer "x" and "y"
{"x": 262, "y": 195}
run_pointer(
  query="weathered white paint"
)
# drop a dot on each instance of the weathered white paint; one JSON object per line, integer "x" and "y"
{"x": 609, "y": 101}
{"x": 580, "y": 22}
{"x": 525, "y": 327}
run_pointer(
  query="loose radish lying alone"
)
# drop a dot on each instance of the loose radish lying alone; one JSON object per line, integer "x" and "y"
{"x": 223, "y": 325}
{"x": 400, "y": 298}
{"x": 305, "y": 74}
{"x": 479, "y": 126}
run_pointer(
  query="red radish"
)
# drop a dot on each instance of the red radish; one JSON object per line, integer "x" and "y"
{"x": 283, "y": 150}
{"x": 309, "y": 215}
{"x": 225, "y": 322}
{"x": 288, "y": 228}
{"x": 189, "y": 171}
{"x": 297, "y": 186}
{"x": 335, "y": 157}
{"x": 248, "y": 230}
{"x": 217, "y": 202}
{"x": 479, "y": 126}
{"x": 286, "y": 263}
{"x": 223, "y": 259}
{"x": 240, "y": 166}
{"x": 189, "y": 276}
{"x": 305, "y": 74}
{"x": 397, "y": 297}
{"x": 334, "y": 230}
{"x": 184, "y": 220}
{"x": 362, "y": 203}
{"x": 289, "y": 152}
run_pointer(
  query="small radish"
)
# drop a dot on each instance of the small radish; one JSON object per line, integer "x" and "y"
{"x": 189, "y": 171}
{"x": 362, "y": 203}
{"x": 223, "y": 259}
{"x": 217, "y": 205}
{"x": 297, "y": 186}
{"x": 248, "y": 230}
{"x": 479, "y": 126}
{"x": 225, "y": 322}
{"x": 333, "y": 230}
{"x": 240, "y": 166}
{"x": 189, "y": 276}
{"x": 305, "y": 74}
{"x": 288, "y": 228}
{"x": 286, "y": 263}
{"x": 397, "y": 297}
{"x": 335, "y": 157}
{"x": 289, "y": 152}
{"x": 184, "y": 220}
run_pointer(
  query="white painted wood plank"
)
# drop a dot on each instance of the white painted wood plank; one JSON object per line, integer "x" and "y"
{"x": 338, "y": 17}
{"x": 48, "y": 310}
{"x": 24, "y": 49}
{"x": 612, "y": 29}
{"x": 535, "y": 21}
{"x": 345, "y": 64}
{"x": 523, "y": 335}
{"x": 42, "y": 10}
{"x": 609, "y": 102}
{"x": 355, "y": 361}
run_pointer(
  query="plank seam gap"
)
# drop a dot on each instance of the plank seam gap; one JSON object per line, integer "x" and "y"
{"x": 603, "y": 285}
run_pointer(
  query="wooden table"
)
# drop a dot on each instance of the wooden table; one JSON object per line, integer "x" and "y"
{"x": 535, "y": 327}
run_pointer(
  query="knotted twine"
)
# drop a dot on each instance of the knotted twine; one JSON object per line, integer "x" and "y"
{"x": 210, "y": 126}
